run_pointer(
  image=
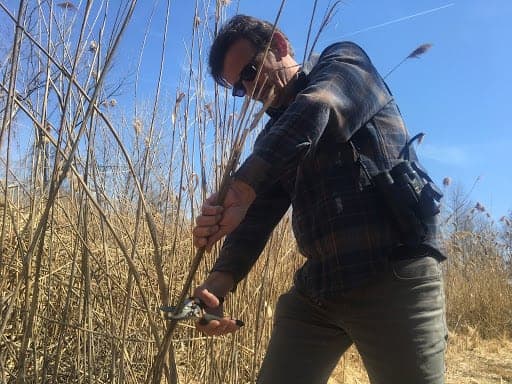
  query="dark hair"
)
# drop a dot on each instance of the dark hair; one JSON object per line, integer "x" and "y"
{"x": 258, "y": 32}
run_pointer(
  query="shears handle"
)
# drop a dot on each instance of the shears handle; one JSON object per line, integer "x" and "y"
{"x": 207, "y": 317}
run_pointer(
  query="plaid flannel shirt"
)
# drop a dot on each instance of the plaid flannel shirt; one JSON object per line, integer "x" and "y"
{"x": 307, "y": 156}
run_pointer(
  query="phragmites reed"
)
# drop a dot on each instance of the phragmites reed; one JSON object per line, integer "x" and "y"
{"x": 415, "y": 54}
{"x": 327, "y": 18}
{"x": 422, "y": 49}
{"x": 68, "y": 5}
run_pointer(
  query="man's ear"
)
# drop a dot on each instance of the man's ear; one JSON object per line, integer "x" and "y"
{"x": 279, "y": 45}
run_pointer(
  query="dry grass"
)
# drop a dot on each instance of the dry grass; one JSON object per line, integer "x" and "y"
{"x": 478, "y": 288}
{"x": 62, "y": 331}
{"x": 116, "y": 327}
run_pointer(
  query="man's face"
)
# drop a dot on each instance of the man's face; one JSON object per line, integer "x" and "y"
{"x": 241, "y": 64}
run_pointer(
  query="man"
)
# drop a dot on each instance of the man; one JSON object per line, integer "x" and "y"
{"x": 371, "y": 275}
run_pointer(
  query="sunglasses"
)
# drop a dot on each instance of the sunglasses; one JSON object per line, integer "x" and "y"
{"x": 248, "y": 73}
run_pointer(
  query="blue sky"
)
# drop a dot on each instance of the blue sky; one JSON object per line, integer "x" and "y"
{"x": 457, "y": 93}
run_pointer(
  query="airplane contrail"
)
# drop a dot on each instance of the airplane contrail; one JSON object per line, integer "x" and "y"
{"x": 398, "y": 20}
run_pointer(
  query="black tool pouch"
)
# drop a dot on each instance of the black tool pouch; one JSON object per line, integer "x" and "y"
{"x": 411, "y": 198}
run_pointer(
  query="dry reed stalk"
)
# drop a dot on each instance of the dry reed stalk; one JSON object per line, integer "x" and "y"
{"x": 415, "y": 54}
{"x": 9, "y": 108}
{"x": 329, "y": 14}
{"x": 38, "y": 240}
{"x": 312, "y": 18}
{"x": 15, "y": 58}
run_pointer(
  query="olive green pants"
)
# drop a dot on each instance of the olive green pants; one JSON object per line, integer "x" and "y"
{"x": 397, "y": 323}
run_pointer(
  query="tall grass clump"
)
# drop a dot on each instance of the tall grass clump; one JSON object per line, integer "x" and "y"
{"x": 478, "y": 272}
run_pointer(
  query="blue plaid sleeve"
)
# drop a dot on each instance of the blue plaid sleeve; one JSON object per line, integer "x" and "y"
{"x": 344, "y": 89}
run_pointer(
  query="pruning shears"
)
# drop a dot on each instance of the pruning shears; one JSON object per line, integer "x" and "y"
{"x": 193, "y": 308}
